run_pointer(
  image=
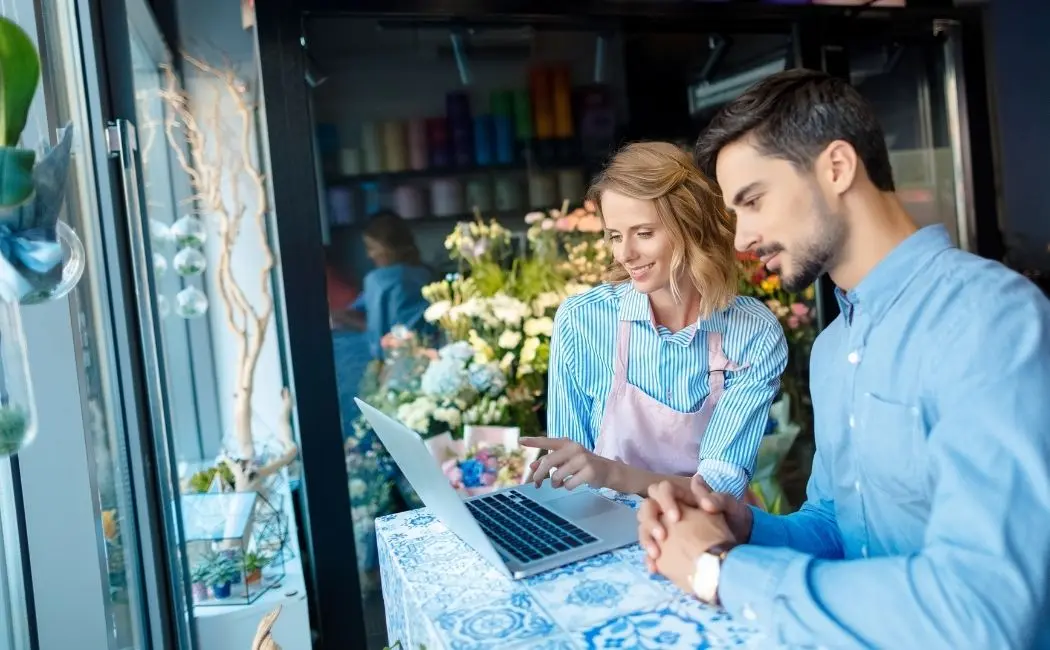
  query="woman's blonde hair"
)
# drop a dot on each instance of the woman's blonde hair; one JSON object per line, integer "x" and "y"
{"x": 690, "y": 207}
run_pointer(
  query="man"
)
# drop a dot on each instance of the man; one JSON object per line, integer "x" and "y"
{"x": 927, "y": 523}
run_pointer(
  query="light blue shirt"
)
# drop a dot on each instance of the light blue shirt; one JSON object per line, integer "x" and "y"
{"x": 927, "y": 523}
{"x": 670, "y": 367}
{"x": 392, "y": 295}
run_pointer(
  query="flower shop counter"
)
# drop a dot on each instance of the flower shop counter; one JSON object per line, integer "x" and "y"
{"x": 440, "y": 594}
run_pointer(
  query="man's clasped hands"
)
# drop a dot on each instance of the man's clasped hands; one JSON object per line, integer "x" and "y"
{"x": 676, "y": 525}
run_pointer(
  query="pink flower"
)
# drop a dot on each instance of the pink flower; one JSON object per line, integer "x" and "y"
{"x": 793, "y": 322}
{"x": 547, "y": 224}
{"x": 534, "y": 217}
{"x": 488, "y": 478}
{"x": 800, "y": 309}
{"x": 451, "y": 470}
{"x": 590, "y": 206}
{"x": 492, "y": 464}
{"x": 590, "y": 223}
{"x": 566, "y": 224}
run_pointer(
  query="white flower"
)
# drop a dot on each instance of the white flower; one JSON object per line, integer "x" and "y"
{"x": 437, "y": 311}
{"x": 573, "y": 288}
{"x": 416, "y": 414}
{"x": 509, "y": 339}
{"x": 450, "y": 416}
{"x": 543, "y": 326}
{"x": 506, "y": 362}
{"x": 545, "y": 301}
{"x": 528, "y": 351}
{"x": 510, "y": 311}
{"x": 357, "y": 488}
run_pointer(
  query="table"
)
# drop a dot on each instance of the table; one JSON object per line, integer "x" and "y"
{"x": 441, "y": 595}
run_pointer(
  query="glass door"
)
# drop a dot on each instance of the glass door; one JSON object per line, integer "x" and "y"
{"x": 915, "y": 84}
{"x": 195, "y": 199}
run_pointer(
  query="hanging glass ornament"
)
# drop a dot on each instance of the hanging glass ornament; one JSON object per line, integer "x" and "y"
{"x": 160, "y": 265}
{"x": 188, "y": 231}
{"x": 189, "y": 262}
{"x": 191, "y": 303}
{"x": 159, "y": 231}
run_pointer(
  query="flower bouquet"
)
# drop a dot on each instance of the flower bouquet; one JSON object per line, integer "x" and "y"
{"x": 485, "y": 460}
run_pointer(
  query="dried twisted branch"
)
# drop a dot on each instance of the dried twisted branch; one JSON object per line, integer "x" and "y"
{"x": 217, "y": 166}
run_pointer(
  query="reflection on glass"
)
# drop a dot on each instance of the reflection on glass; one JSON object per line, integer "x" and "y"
{"x": 905, "y": 84}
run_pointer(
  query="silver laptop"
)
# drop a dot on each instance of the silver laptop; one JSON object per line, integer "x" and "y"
{"x": 522, "y": 530}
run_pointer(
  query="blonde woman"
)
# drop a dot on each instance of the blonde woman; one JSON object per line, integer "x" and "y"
{"x": 661, "y": 372}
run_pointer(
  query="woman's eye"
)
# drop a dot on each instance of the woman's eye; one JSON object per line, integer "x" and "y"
{"x": 645, "y": 235}
{"x": 614, "y": 238}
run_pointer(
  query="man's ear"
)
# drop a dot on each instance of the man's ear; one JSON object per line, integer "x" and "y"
{"x": 837, "y": 166}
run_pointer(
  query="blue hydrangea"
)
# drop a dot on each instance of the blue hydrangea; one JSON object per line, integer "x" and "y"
{"x": 460, "y": 352}
{"x": 487, "y": 378}
{"x": 472, "y": 470}
{"x": 445, "y": 378}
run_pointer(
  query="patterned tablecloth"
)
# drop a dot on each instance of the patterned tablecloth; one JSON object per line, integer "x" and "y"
{"x": 441, "y": 595}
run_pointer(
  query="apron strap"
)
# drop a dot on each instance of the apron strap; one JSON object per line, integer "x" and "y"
{"x": 718, "y": 363}
{"x": 623, "y": 347}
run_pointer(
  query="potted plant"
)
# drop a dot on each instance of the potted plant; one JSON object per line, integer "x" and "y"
{"x": 199, "y": 577}
{"x": 222, "y": 571}
{"x": 253, "y": 566}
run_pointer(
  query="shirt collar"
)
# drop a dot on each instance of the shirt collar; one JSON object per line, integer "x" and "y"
{"x": 634, "y": 306}
{"x": 884, "y": 283}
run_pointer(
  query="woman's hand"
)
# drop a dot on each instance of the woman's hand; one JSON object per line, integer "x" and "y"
{"x": 574, "y": 465}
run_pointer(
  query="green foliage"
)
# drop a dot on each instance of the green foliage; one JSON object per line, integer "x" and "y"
{"x": 202, "y": 480}
{"x": 13, "y": 426}
{"x": 19, "y": 76}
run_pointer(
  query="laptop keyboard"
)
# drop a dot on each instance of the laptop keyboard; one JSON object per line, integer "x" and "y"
{"x": 525, "y": 529}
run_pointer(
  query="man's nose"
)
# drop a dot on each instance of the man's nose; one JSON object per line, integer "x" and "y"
{"x": 744, "y": 239}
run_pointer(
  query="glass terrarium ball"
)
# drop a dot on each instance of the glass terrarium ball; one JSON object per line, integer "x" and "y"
{"x": 160, "y": 264}
{"x": 159, "y": 231}
{"x": 188, "y": 231}
{"x": 189, "y": 262}
{"x": 191, "y": 302}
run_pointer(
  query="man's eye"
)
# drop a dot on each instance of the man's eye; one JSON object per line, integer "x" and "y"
{"x": 752, "y": 204}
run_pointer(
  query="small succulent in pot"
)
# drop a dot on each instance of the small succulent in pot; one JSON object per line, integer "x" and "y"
{"x": 200, "y": 575}
{"x": 222, "y": 571}
{"x": 254, "y": 562}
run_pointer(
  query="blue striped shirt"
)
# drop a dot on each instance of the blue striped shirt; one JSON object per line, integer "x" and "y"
{"x": 670, "y": 367}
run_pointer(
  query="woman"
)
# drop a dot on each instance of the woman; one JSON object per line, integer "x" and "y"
{"x": 392, "y": 292}
{"x": 662, "y": 371}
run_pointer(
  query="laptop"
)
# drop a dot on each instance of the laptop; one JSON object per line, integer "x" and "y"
{"x": 521, "y": 530}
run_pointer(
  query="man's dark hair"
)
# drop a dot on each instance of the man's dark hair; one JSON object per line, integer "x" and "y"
{"x": 794, "y": 115}
{"x": 389, "y": 230}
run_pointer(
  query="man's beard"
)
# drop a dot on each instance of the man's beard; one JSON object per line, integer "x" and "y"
{"x": 819, "y": 255}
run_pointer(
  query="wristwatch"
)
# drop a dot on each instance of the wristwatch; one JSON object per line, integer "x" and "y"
{"x": 707, "y": 572}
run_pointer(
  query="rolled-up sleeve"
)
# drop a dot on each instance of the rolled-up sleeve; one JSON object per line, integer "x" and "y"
{"x": 730, "y": 444}
{"x": 568, "y": 406}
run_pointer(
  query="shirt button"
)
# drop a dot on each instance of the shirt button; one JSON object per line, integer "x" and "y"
{"x": 749, "y": 613}
{"x": 864, "y": 550}
{"x": 854, "y": 357}
{"x": 856, "y": 485}
{"x": 852, "y": 421}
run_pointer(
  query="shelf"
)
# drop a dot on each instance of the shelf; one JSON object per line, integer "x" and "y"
{"x": 395, "y": 177}
{"x": 499, "y": 215}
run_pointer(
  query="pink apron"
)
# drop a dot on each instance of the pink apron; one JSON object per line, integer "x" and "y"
{"x": 646, "y": 433}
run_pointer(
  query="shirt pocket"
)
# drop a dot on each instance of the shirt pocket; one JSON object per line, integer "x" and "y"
{"x": 891, "y": 442}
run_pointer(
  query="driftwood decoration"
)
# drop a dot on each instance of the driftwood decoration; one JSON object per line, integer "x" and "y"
{"x": 263, "y": 639}
{"x": 221, "y": 171}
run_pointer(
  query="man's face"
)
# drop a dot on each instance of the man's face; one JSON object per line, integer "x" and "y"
{"x": 781, "y": 214}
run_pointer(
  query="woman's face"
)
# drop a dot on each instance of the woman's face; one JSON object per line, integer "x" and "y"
{"x": 376, "y": 252}
{"x": 639, "y": 240}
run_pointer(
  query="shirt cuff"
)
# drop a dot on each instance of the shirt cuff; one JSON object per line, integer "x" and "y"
{"x": 752, "y": 580}
{"x": 766, "y": 529}
{"x": 725, "y": 477}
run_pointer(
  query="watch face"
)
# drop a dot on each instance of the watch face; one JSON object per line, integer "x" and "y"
{"x": 705, "y": 579}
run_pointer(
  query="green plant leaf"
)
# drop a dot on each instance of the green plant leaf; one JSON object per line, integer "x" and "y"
{"x": 19, "y": 76}
{"x": 16, "y": 176}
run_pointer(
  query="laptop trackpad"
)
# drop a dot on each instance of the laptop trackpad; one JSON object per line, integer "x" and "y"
{"x": 577, "y": 507}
